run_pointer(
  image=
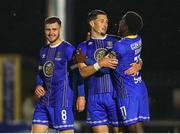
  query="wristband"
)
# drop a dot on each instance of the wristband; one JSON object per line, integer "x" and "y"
{"x": 96, "y": 66}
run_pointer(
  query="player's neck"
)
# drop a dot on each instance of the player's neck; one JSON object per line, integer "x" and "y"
{"x": 98, "y": 36}
{"x": 56, "y": 43}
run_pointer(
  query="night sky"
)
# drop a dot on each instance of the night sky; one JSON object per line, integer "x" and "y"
{"x": 21, "y": 26}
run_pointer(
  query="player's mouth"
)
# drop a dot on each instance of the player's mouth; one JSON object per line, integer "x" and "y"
{"x": 104, "y": 30}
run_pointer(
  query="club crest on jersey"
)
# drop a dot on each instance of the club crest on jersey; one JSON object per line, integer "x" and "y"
{"x": 112, "y": 54}
{"x": 58, "y": 56}
{"x": 48, "y": 68}
{"x": 109, "y": 43}
{"x": 100, "y": 53}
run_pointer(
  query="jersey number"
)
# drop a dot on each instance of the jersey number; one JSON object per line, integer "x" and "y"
{"x": 137, "y": 79}
{"x": 123, "y": 112}
{"x": 63, "y": 113}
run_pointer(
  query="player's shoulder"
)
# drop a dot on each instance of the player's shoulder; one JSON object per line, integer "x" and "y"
{"x": 82, "y": 44}
{"x": 120, "y": 44}
{"x": 126, "y": 40}
{"x": 115, "y": 37}
{"x": 67, "y": 43}
{"x": 122, "y": 41}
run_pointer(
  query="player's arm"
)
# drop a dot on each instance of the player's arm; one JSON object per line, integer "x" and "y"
{"x": 81, "y": 101}
{"x": 135, "y": 68}
{"x": 39, "y": 89}
{"x": 87, "y": 70}
{"x": 73, "y": 69}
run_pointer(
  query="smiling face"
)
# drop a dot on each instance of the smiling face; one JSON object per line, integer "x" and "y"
{"x": 52, "y": 32}
{"x": 99, "y": 25}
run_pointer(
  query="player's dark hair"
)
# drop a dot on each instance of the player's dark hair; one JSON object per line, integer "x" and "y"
{"x": 92, "y": 15}
{"x": 134, "y": 21}
{"x": 52, "y": 19}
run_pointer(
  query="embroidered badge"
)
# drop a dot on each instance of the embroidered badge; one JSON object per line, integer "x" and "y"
{"x": 48, "y": 68}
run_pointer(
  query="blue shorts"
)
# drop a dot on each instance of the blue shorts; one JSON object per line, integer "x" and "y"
{"x": 54, "y": 117}
{"x": 101, "y": 110}
{"x": 133, "y": 109}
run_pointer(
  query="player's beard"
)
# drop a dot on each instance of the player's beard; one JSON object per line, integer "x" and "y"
{"x": 103, "y": 32}
{"x": 54, "y": 39}
{"x": 100, "y": 32}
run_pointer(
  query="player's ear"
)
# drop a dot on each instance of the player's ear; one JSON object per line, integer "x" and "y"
{"x": 91, "y": 23}
{"x": 60, "y": 29}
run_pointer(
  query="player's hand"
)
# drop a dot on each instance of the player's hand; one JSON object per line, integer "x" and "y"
{"x": 39, "y": 91}
{"x": 108, "y": 62}
{"x": 134, "y": 69}
{"x": 80, "y": 103}
{"x": 80, "y": 57}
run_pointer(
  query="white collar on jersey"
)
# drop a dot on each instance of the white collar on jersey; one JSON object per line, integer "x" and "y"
{"x": 53, "y": 46}
{"x": 100, "y": 38}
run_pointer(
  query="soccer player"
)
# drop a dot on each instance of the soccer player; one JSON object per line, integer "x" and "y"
{"x": 54, "y": 109}
{"x": 101, "y": 106}
{"x": 131, "y": 90}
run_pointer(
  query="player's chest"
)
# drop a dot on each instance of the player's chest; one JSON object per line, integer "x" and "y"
{"x": 56, "y": 56}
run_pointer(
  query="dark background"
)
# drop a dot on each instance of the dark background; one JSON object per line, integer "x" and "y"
{"x": 22, "y": 33}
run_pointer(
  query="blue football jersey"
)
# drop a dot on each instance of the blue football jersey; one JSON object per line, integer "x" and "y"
{"x": 95, "y": 49}
{"x": 131, "y": 90}
{"x": 128, "y": 51}
{"x": 53, "y": 74}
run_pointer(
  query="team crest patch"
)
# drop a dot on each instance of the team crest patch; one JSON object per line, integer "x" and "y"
{"x": 58, "y": 56}
{"x": 48, "y": 68}
{"x": 100, "y": 53}
{"x": 109, "y": 43}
